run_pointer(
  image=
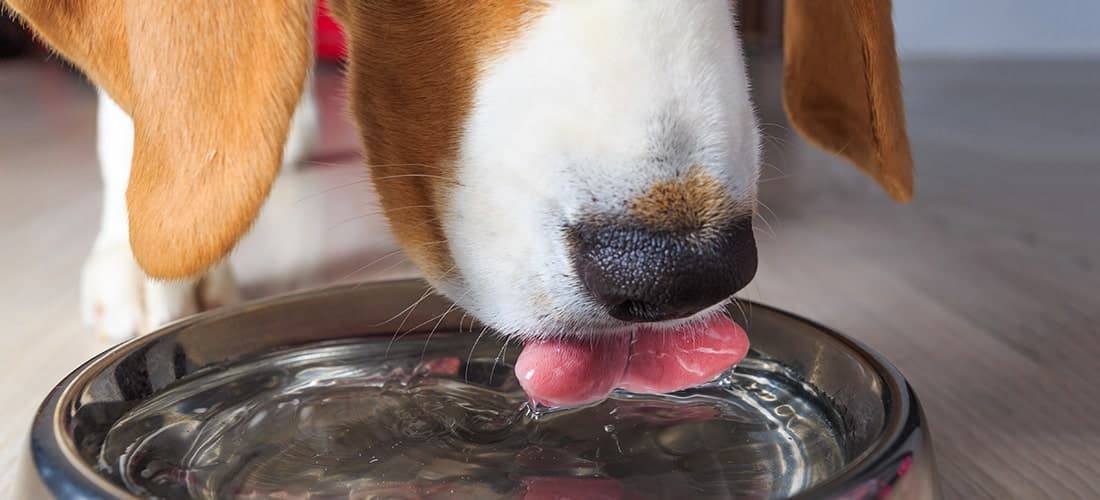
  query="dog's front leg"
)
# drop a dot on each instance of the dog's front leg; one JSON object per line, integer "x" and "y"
{"x": 117, "y": 299}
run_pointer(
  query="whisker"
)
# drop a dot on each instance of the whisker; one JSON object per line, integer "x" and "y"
{"x": 384, "y": 257}
{"x": 463, "y": 320}
{"x": 769, "y": 209}
{"x": 375, "y": 214}
{"x": 767, "y": 164}
{"x": 768, "y": 225}
{"x": 416, "y": 327}
{"x": 425, "y": 221}
{"x": 776, "y": 125}
{"x": 772, "y": 179}
{"x": 443, "y": 316}
{"x": 401, "y": 176}
{"x": 763, "y": 232}
{"x": 398, "y": 334}
{"x": 331, "y": 189}
{"x": 404, "y": 259}
{"x": 500, "y": 355}
{"x": 368, "y": 179}
{"x": 741, "y": 309}
{"x": 392, "y": 165}
{"x": 383, "y": 271}
{"x": 341, "y": 158}
{"x": 329, "y": 163}
{"x": 403, "y": 311}
{"x": 427, "y": 293}
{"x": 774, "y": 140}
{"x": 371, "y": 263}
{"x": 470, "y": 357}
{"x": 759, "y": 293}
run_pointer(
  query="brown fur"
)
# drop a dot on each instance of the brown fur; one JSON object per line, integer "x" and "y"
{"x": 691, "y": 203}
{"x": 211, "y": 97}
{"x": 413, "y": 68}
{"x": 842, "y": 88}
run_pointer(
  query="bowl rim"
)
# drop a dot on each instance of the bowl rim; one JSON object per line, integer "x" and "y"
{"x": 65, "y": 474}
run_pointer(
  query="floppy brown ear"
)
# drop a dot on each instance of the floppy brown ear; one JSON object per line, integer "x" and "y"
{"x": 842, "y": 88}
{"x": 211, "y": 86}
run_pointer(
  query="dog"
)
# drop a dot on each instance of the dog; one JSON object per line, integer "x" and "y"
{"x": 555, "y": 167}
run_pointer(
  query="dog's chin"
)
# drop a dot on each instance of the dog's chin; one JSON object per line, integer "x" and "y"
{"x": 605, "y": 325}
{"x": 586, "y": 323}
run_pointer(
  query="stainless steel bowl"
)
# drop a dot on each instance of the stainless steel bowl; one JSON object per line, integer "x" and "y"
{"x": 873, "y": 410}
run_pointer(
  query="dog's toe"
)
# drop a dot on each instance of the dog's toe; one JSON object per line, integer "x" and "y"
{"x": 218, "y": 288}
{"x": 111, "y": 293}
{"x": 119, "y": 302}
{"x": 168, "y": 301}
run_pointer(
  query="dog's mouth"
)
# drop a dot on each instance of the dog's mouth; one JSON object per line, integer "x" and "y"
{"x": 569, "y": 371}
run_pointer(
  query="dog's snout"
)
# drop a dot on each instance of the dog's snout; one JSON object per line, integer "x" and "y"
{"x": 644, "y": 274}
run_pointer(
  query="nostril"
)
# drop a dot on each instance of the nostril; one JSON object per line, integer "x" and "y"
{"x": 640, "y": 274}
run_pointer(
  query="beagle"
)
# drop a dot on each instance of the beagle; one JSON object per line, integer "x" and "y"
{"x": 555, "y": 167}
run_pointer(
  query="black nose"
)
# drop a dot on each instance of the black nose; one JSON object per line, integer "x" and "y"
{"x": 641, "y": 274}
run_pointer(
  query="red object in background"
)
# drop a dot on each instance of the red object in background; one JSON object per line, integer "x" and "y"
{"x": 329, "y": 36}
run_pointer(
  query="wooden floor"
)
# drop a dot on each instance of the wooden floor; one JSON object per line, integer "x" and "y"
{"x": 985, "y": 291}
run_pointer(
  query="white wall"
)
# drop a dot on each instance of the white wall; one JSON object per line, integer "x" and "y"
{"x": 997, "y": 28}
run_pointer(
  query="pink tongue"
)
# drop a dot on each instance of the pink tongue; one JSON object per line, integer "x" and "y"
{"x": 571, "y": 372}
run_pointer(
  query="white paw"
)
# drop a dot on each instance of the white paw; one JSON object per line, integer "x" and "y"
{"x": 120, "y": 302}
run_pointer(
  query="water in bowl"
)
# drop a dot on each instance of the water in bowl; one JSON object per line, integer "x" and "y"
{"x": 358, "y": 419}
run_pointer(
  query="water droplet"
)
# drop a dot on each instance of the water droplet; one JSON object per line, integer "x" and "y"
{"x": 784, "y": 410}
{"x": 258, "y": 418}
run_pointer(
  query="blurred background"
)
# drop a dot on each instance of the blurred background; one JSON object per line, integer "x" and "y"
{"x": 998, "y": 28}
{"x": 985, "y": 290}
